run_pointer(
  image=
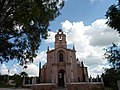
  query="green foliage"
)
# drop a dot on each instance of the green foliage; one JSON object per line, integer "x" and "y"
{"x": 18, "y": 80}
{"x": 112, "y": 54}
{"x": 113, "y": 17}
{"x": 22, "y": 26}
{"x": 23, "y": 74}
{"x": 110, "y": 78}
{"x": 4, "y": 78}
{"x": 112, "y": 74}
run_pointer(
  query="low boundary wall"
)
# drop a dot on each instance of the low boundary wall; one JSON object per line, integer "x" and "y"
{"x": 69, "y": 86}
{"x": 41, "y": 86}
{"x": 85, "y": 86}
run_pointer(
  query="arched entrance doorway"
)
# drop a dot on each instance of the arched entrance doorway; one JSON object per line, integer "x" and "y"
{"x": 61, "y": 78}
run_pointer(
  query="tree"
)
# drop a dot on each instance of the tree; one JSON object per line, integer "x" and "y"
{"x": 22, "y": 26}
{"x": 112, "y": 54}
{"x": 113, "y": 16}
{"x": 110, "y": 78}
{"x": 111, "y": 75}
{"x": 18, "y": 80}
{"x": 23, "y": 76}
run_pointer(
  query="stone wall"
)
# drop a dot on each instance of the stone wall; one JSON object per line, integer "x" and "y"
{"x": 71, "y": 86}
{"x": 42, "y": 86}
{"x": 85, "y": 86}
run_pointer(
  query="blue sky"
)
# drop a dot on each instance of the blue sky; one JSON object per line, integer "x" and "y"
{"x": 83, "y": 21}
{"x": 82, "y": 10}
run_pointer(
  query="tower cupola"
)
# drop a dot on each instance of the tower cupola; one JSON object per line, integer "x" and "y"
{"x": 60, "y": 39}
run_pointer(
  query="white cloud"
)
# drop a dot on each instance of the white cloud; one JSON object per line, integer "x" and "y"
{"x": 101, "y": 34}
{"x": 41, "y": 57}
{"x": 50, "y": 38}
{"x": 67, "y": 25}
{"x": 92, "y": 1}
{"x": 89, "y": 42}
{"x": 3, "y": 69}
{"x": 15, "y": 69}
{"x": 32, "y": 70}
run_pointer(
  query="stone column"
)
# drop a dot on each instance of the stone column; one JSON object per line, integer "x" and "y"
{"x": 102, "y": 80}
{"x": 56, "y": 79}
{"x": 118, "y": 83}
{"x": 23, "y": 80}
{"x": 90, "y": 79}
{"x": 65, "y": 79}
{"x": 53, "y": 79}
{"x": 29, "y": 81}
{"x": 32, "y": 80}
{"x": 69, "y": 79}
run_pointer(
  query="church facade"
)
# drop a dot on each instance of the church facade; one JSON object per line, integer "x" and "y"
{"x": 62, "y": 66}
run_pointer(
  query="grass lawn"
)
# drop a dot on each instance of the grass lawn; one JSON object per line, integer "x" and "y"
{"x": 6, "y": 85}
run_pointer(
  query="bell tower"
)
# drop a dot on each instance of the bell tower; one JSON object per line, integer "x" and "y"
{"x": 60, "y": 39}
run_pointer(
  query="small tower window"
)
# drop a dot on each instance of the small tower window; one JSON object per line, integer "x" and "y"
{"x": 60, "y": 37}
{"x": 60, "y": 32}
{"x": 61, "y": 57}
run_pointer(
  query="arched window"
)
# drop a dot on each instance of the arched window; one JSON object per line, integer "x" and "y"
{"x": 61, "y": 57}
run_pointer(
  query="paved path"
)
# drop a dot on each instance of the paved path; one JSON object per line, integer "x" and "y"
{"x": 14, "y": 89}
{"x": 61, "y": 89}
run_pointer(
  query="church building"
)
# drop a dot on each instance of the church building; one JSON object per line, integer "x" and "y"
{"x": 62, "y": 66}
